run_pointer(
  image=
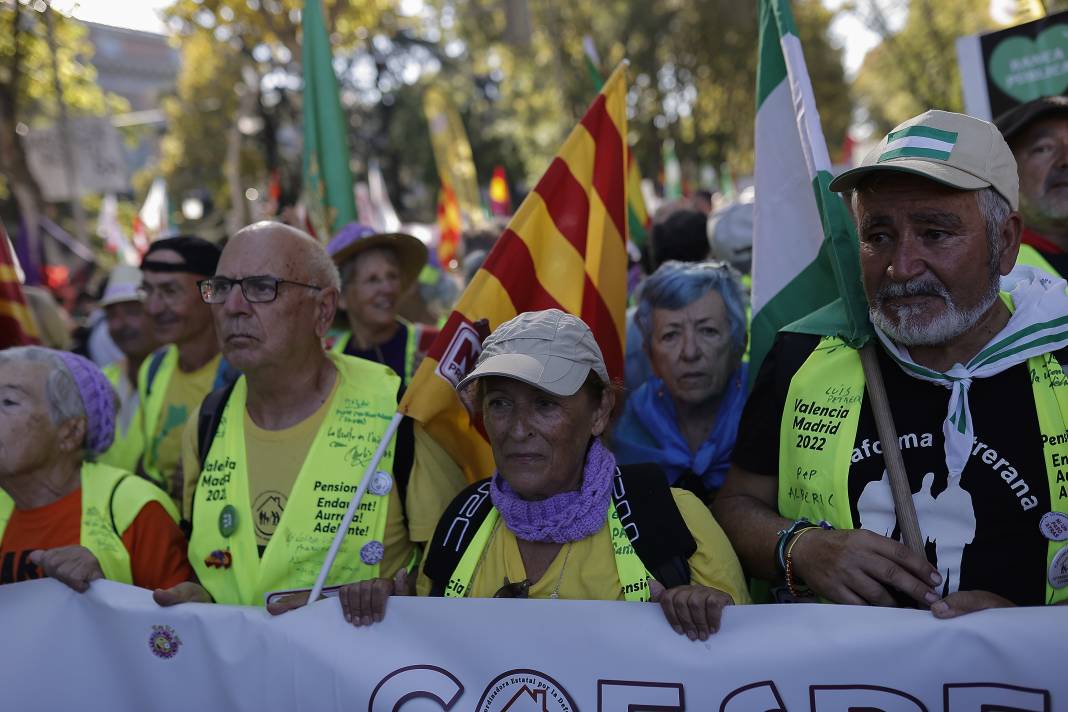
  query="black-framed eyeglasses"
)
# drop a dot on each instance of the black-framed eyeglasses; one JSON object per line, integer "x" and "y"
{"x": 519, "y": 589}
{"x": 256, "y": 289}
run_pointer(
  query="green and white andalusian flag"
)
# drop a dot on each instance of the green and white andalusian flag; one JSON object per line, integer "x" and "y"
{"x": 328, "y": 194}
{"x": 805, "y": 261}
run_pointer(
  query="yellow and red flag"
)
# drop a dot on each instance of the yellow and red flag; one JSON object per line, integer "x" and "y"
{"x": 500, "y": 198}
{"x": 450, "y": 226}
{"x": 564, "y": 248}
{"x": 17, "y": 327}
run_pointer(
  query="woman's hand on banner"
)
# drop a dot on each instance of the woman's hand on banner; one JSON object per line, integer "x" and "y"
{"x": 364, "y": 603}
{"x": 694, "y": 610}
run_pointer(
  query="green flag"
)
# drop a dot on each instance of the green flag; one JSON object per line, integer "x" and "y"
{"x": 806, "y": 269}
{"x": 328, "y": 193}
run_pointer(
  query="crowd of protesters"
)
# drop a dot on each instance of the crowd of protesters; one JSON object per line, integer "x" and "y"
{"x": 209, "y": 452}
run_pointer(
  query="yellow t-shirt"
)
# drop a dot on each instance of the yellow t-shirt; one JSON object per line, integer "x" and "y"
{"x": 185, "y": 391}
{"x": 589, "y": 572}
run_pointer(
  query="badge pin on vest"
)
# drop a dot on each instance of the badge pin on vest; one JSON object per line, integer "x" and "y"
{"x": 219, "y": 559}
{"x": 372, "y": 552}
{"x": 1054, "y": 526}
{"x": 228, "y": 520}
{"x": 381, "y": 483}
{"x": 1058, "y": 569}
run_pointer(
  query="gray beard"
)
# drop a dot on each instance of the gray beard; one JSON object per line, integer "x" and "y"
{"x": 905, "y": 329}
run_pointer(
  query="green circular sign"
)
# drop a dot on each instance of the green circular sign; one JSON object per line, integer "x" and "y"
{"x": 227, "y": 520}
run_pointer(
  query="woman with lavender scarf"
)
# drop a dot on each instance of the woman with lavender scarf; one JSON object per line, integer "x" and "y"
{"x": 543, "y": 391}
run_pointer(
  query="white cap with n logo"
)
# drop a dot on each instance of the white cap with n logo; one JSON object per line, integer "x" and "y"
{"x": 953, "y": 149}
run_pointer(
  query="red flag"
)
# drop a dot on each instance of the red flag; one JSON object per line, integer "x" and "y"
{"x": 500, "y": 198}
{"x": 17, "y": 327}
{"x": 564, "y": 248}
{"x": 449, "y": 225}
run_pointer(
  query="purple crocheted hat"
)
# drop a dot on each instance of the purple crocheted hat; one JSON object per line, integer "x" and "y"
{"x": 98, "y": 397}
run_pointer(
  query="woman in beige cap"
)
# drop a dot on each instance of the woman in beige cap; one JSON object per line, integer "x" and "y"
{"x": 559, "y": 518}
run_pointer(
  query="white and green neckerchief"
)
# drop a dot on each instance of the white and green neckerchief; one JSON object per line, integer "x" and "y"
{"x": 1038, "y": 325}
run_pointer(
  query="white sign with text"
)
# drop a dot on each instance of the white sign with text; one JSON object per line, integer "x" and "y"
{"x": 113, "y": 648}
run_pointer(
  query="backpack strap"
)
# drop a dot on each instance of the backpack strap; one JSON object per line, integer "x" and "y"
{"x": 455, "y": 530}
{"x": 153, "y": 368}
{"x": 403, "y": 454}
{"x": 653, "y": 522}
{"x": 208, "y": 418}
{"x": 404, "y": 459}
{"x": 225, "y": 375}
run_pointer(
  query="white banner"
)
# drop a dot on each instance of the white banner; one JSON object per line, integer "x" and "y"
{"x": 113, "y": 648}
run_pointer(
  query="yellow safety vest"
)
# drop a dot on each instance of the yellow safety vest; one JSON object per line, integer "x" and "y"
{"x": 411, "y": 347}
{"x": 126, "y": 450}
{"x": 633, "y": 576}
{"x": 1033, "y": 258}
{"x": 111, "y": 500}
{"x": 819, "y": 428}
{"x": 223, "y": 549}
{"x": 152, "y": 400}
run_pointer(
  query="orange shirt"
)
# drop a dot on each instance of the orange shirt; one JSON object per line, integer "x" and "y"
{"x": 156, "y": 544}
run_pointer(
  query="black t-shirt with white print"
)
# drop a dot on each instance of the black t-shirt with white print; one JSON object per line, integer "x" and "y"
{"x": 980, "y": 531}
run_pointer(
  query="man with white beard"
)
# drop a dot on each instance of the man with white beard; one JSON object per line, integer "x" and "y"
{"x": 972, "y": 366}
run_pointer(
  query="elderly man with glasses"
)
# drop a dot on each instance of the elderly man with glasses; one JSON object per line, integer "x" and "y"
{"x": 271, "y": 463}
{"x": 174, "y": 379}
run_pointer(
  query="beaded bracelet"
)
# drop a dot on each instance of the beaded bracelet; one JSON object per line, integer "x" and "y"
{"x": 796, "y": 587}
{"x": 784, "y": 537}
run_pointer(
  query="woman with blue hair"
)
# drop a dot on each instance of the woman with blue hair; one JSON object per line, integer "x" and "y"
{"x": 692, "y": 320}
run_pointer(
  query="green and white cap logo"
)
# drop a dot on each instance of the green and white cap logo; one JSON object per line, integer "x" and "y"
{"x": 919, "y": 142}
{"x": 957, "y": 150}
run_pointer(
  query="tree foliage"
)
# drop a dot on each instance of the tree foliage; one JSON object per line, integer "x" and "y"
{"x": 514, "y": 69}
{"x": 27, "y": 90}
{"x": 915, "y": 69}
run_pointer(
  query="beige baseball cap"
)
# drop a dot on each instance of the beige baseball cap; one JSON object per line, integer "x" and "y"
{"x": 550, "y": 350}
{"x": 957, "y": 150}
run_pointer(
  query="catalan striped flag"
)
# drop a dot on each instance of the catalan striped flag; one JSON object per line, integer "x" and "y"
{"x": 17, "y": 327}
{"x": 450, "y": 226}
{"x": 638, "y": 222}
{"x": 564, "y": 248}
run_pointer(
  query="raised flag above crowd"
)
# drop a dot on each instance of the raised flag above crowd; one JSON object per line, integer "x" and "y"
{"x": 17, "y": 327}
{"x": 452, "y": 154}
{"x": 638, "y": 222}
{"x": 804, "y": 244}
{"x": 328, "y": 193}
{"x": 564, "y": 248}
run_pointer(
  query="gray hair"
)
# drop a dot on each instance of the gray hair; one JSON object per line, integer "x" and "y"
{"x": 64, "y": 398}
{"x": 675, "y": 285}
{"x": 995, "y": 210}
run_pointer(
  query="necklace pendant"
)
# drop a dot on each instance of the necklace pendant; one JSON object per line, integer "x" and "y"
{"x": 554, "y": 595}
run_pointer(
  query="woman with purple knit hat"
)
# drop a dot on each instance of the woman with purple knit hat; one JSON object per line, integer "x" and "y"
{"x": 63, "y": 515}
{"x": 559, "y": 519}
